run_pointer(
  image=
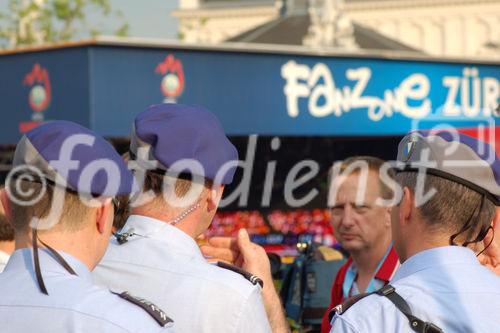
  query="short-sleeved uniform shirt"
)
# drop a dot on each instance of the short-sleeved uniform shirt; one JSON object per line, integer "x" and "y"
{"x": 166, "y": 266}
{"x": 446, "y": 286}
{"x": 74, "y": 303}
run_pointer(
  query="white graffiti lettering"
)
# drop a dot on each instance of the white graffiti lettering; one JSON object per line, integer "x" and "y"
{"x": 476, "y": 96}
{"x": 468, "y": 89}
{"x": 324, "y": 98}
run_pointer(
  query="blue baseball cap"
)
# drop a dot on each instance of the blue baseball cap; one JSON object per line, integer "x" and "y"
{"x": 454, "y": 156}
{"x": 183, "y": 139}
{"x": 74, "y": 157}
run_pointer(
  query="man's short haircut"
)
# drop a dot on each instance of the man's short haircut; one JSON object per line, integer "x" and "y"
{"x": 74, "y": 211}
{"x": 374, "y": 164}
{"x": 154, "y": 182}
{"x": 6, "y": 229}
{"x": 454, "y": 208}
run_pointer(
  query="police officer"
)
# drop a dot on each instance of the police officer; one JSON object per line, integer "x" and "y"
{"x": 185, "y": 159}
{"x": 59, "y": 199}
{"x": 6, "y": 239}
{"x": 450, "y": 186}
{"x": 362, "y": 227}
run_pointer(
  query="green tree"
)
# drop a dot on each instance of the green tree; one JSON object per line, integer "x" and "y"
{"x": 35, "y": 22}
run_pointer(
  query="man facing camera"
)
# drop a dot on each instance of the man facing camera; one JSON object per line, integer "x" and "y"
{"x": 362, "y": 225}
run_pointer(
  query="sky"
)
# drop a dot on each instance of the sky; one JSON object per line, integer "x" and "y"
{"x": 146, "y": 18}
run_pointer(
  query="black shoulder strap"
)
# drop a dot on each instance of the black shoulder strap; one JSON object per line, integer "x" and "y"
{"x": 344, "y": 306}
{"x": 389, "y": 291}
{"x": 254, "y": 279}
{"x": 416, "y": 324}
{"x": 154, "y": 311}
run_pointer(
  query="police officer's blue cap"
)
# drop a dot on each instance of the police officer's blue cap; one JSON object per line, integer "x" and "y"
{"x": 170, "y": 133}
{"x": 454, "y": 156}
{"x": 72, "y": 156}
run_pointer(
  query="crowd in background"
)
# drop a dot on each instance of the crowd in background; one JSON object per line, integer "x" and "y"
{"x": 314, "y": 223}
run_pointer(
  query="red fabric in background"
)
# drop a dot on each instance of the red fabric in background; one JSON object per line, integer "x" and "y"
{"x": 488, "y": 134}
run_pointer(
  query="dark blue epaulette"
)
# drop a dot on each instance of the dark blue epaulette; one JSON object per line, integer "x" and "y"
{"x": 154, "y": 311}
{"x": 254, "y": 279}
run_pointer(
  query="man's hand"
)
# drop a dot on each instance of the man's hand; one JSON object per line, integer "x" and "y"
{"x": 241, "y": 252}
{"x": 251, "y": 257}
{"x": 221, "y": 249}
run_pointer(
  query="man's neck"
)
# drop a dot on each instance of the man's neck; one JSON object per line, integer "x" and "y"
{"x": 75, "y": 246}
{"x": 417, "y": 245}
{"x": 418, "y": 237}
{"x": 187, "y": 225}
{"x": 7, "y": 246}
{"x": 367, "y": 261}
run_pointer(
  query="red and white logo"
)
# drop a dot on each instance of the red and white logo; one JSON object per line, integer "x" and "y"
{"x": 172, "y": 84}
{"x": 39, "y": 96}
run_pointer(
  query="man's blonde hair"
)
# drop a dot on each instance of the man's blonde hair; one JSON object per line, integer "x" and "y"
{"x": 454, "y": 208}
{"x": 374, "y": 164}
{"x": 74, "y": 211}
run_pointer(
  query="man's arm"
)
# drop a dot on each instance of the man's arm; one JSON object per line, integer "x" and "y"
{"x": 251, "y": 257}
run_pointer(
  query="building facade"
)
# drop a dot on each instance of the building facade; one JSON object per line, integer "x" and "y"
{"x": 208, "y": 21}
{"x": 462, "y": 28}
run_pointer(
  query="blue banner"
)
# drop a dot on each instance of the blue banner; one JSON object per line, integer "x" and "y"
{"x": 105, "y": 86}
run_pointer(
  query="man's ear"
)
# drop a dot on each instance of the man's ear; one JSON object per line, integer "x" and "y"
{"x": 4, "y": 199}
{"x": 496, "y": 221}
{"x": 388, "y": 216}
{"x": 214, "y": 196}
{"x": 102, "y": 213}
{"x": 406, "y": 206}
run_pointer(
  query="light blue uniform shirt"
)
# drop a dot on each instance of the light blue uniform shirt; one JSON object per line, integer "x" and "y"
{"x": 166, "y": 266}
{"x": 74, "y": 304}
{"x": 446, "y": 286}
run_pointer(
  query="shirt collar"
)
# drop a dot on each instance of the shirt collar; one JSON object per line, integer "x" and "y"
{"x": 435, "y": 257}
{"x": 22, "y": 259}
{"x": 152, "y": 228}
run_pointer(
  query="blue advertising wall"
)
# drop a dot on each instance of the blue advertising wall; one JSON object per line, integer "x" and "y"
{"x": 105, "y": 86}
{"x": 65, "y": 88}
